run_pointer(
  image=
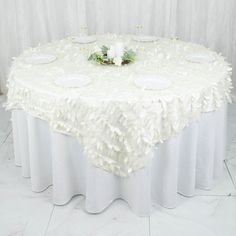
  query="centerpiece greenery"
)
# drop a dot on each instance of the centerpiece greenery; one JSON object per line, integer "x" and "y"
{"x": 117, "y": 55}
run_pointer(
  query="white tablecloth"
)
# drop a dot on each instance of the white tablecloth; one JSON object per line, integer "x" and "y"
{"x": 192, "y": 159}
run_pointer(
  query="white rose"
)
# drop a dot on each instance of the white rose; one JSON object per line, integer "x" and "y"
{"x": 117, "y": 61}
{"x": 119, "y": 48}
{"x": 111, "y": 52}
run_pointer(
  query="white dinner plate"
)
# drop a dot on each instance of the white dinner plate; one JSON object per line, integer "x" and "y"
{"x": 73, "y": 81}
{"x": 145, "y": 38}
{"x": 152, "y": 82}
{"x": 40, "y": 58}
{"x": 200, "y": 58}
{"x": 84, "y": 39}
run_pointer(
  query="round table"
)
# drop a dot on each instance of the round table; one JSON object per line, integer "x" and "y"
{"x": 112, "y": 139}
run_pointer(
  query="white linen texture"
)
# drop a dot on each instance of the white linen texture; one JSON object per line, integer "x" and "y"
{"x": 191, "y": 160}
{"x": 117, "y": 123}
{"x": 25, "y": 23}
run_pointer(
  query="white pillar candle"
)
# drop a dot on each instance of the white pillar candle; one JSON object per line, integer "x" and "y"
{"x": 119, "y": 47}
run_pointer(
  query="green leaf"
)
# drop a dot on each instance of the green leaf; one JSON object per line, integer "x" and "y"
{"x": 91, "y": 57}
{"x": 104, "y": 49}
{"x": 129, "y": 55}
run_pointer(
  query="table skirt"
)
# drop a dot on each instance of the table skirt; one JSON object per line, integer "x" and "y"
{"x": 192, "y": 159}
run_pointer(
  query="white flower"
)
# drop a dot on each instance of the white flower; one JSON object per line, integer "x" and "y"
{"x": 111, "y": 53}
{"x": 97, "y": 50}
{"x": 119, "y": 47}
{"x": 117, "y": 61}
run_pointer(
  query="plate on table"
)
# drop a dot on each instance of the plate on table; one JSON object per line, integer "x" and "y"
{"x": 40, "y": 58}
{"x": 73, "y": 81}
{"x": 84, "y": 39}
{"x": 152, "y": 82}
{"x": 145, "y": 38}
{"x": 200, "y": 58}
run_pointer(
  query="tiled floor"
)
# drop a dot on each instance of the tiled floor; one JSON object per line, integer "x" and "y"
{"x": 24, "y": 213}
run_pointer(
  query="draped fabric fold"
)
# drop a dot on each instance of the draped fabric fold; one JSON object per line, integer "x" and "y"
{"x": 27, "y": 23}
{"x": 193, "y": 159}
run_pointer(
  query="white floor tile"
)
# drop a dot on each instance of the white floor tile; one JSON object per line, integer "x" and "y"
{"x": 5, "y": 124}
{"x": 206, "y": 216}
{"x": 223, "y": 186}
{"x": 232, "y": 169}
{"x": 6, "y": 150}
{"x": 117, "y": 220}
{"x": 22, "y": 212}
{"x": 2, "y": 138}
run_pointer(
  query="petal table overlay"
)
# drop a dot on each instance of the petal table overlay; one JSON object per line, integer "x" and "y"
{"x": 200, "y": 58}
{"x": 152, "y": 82}
{"x": 73, "y": 81}
{"x": 117, "y": 123}
{"x": 40, "y": 58}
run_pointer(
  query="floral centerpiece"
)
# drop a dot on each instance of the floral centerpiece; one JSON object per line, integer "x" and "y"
{"x": 116, "y": 54}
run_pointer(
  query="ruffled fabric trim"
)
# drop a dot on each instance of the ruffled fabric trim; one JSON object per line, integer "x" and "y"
{"x": 118, "y": 136}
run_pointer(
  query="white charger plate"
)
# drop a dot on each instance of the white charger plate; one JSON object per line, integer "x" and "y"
{"x": 145, "y": 38}
{"x": 152, "y": 82}
{"x": 200, "y": 58}
{"x": 73, "y": 81}
{"x": 84, "y": 39}
{"x": 40, "y": 58}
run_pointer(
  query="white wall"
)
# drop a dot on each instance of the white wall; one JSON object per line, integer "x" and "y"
{"x": 25, "y": 23}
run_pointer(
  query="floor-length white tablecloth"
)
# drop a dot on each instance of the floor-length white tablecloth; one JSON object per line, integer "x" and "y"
{"x": 192, "y": 159}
